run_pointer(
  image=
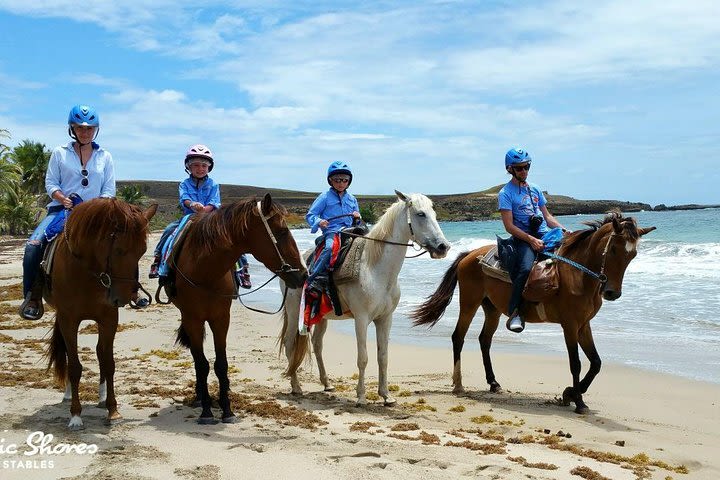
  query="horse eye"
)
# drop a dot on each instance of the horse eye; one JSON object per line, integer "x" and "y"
{"x": 421, "y": 214}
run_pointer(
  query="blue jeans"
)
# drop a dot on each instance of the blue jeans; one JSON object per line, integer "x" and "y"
{"x": 34, "y": 249}
{"x": 524, "y": 258}
{"x": 321, "y": 264}
{"x": 163, "y": 238}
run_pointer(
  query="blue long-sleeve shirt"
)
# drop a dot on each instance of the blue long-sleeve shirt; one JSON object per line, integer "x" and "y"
{"x": 206, "y": 192}
{"x": 328, "y": 205}
{"x": 64, "y": 169}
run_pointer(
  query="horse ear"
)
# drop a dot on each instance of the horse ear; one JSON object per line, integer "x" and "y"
{"x": 150, "y": 211}
{"x": 266, "y": 204}
{"x": 643, "y": 231}
{"x": 617, "y": 227}
{"x": 401, "y": 196}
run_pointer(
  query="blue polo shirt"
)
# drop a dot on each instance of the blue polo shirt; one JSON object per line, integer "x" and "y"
{"x": 524, "y": 202}
{"x": 329, "y": 204}
{"x": 206, "y": 191}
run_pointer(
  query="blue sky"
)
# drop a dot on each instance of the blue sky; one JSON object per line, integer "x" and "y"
{"x": 613, "y": 99}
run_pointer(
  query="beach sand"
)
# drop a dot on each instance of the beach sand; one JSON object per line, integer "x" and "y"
{"x": 641, "y": 425}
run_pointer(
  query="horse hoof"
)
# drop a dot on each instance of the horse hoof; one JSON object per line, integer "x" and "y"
{"x": 207, "y": 421}
{"x": 582, "y": 410}
{"x": 389, "y": 402}
{"x": 102, "y": 404}
{"x": 230, "y": 419}
{"x": 495, "y": 388}
{"x": 567, "y": 396}
{"x": 76, "y": 427}
{"x": 115, "y": 420}
{"x": 296, "y": 393}
{"x": 330, "y": 388}
{"x": 459, "y": 390}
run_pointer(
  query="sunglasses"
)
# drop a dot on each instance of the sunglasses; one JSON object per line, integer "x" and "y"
{"x": 339, "y": 180}
{"x": 84, "y": 182}
{"x": 521, "y": 168}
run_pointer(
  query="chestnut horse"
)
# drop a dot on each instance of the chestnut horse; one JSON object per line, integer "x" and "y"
{"x": 606, "y": 249}
{"x": 94, "y": 272}
{"x": 204, "y": 282}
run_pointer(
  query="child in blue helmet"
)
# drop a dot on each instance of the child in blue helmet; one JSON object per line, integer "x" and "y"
{"x": 80, "y": 167}
{"x": 331, "y": 211}
{"x": 525, "y": 216}
{"x": 198, "y": 193}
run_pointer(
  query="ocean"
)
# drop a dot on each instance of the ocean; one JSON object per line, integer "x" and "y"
{"x": 667, "y": 320}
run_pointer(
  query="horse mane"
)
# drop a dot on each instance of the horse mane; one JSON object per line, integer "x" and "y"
{"x": 383, "y": 228}
{"x": 629, "y": 225}
{"x": 100, "y": 217}
{"x": 218, "y": 227}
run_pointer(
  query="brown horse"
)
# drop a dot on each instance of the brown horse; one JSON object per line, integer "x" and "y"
{"x": 204, "y": 284}
{"x": 93, "y": 273}
{"x": 607, "y": 247}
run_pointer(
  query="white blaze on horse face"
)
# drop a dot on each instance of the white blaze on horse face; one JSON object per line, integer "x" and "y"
{"x": 630, "y": 246}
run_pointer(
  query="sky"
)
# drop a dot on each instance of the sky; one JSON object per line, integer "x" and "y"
{"x": 612, "y": 99}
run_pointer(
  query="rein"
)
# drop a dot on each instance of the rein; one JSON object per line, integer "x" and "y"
{"x": 284, "y": 268}
{"x": 600, "y": 277}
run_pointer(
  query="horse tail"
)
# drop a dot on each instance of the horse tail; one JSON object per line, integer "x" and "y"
{"x": 57, "y": 355}
{"x": 430, "y": 311}
{"x": 182, "y": 337}
{"x": 302, "y": 346}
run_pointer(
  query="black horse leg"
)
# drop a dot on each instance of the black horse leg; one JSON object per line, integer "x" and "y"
{"x": 221, "y": 370}
{"x": 588, "y": 346}
{"x": 492, "y": 318}
{"x": 202, "y": 370}
{"x": 573, "y": 393}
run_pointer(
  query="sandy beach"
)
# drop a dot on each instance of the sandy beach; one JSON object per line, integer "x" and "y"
{"x": 642, "y": 424}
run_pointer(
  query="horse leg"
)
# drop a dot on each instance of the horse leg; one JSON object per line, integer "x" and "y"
{"x": 469, "y": 302}
{"x": 102, "y": 385}
{"x": 382, "y": 334}
{"x": 588, "y": 346}
{"x": 220, "y": 329}
{"x": 361, "y": 326}
{"x": 317, "y": 341}
{"x": 69, "y": 333}
{"x": 492, "y": 318}
{"x": 572, "y": 394}
{"x": 293, "y": 342}
{"x": 106, "y": 339}
{"x": 194, "y": 330}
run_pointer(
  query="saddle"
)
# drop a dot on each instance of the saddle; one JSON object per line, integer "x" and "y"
{"x": 170, "y": 251}
{"x": 46, "y": 265}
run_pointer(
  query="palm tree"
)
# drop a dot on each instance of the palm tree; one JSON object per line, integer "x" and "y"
{"x": 132, "y": 194}
{"x": 10, "y": 172}
{"x": 18, "y": 211}
{"x": 33, "y": 157}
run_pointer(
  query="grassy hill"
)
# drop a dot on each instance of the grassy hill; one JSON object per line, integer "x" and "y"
{"x": 456, "y": 207}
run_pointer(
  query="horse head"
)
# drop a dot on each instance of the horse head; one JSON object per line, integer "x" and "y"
{"x": 277, "y": 249}
{"x": 422, "y": 221}
{"x": 108, "y": 237}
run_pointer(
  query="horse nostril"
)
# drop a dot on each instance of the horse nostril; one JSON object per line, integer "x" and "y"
{"x": 442, "y": 247}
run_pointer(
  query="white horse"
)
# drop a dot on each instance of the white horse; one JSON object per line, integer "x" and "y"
{"x": 373, "y": 296}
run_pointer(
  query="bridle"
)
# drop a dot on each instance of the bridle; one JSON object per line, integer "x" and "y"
{"x": 600, "y": 277}
{"x": 284, "y": 267}
{"x": 105, "y": 277}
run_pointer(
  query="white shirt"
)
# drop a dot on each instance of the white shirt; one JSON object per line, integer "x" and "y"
{"x": 64, "y": 169}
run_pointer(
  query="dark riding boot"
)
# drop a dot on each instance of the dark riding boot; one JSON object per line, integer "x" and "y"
{"x": 32, "y": 307}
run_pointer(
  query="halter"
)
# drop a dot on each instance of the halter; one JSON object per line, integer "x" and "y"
{"x": 284, "y": 267}
{"x": 600, "y": 277}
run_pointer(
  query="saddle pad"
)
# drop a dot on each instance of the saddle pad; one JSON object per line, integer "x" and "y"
{"x": 490, "y": 263}
{"x": 48, "y": 257}
{"x": 169, "y": 249}
{"x": 350, "y": 267}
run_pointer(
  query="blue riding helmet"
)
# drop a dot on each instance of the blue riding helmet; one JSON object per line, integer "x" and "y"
{"x": 337, "y": 168}
{"x": 83, "y": 115}
{"x": 517, "y": 155}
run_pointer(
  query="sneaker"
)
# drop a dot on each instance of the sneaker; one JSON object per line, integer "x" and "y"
{"x": 245, "y": 280}
{"x": 154, "y": 269}
{"x": 515, "y": 323}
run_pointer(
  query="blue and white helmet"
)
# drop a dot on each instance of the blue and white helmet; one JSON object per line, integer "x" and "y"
{"x": 515, "y": 156}
{"x": 337, "y": 168}
{"x": 83, "y": 115}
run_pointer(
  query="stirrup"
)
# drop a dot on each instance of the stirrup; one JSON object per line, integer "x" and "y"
{"x": 154, "y": 273}
{"x": 31, "y": 313}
